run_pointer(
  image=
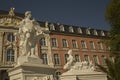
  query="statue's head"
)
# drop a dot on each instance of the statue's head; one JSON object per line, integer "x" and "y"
{"x": 70, "y": 52}
{"x": 28, "y": 14}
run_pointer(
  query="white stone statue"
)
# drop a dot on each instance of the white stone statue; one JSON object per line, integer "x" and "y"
{"x": 69, "y": 63}
{"x": 29, "y": 34}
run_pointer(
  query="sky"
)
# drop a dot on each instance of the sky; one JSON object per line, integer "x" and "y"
{"x": 85, "y": 13}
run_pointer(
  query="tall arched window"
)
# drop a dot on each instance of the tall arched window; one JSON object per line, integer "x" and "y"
{"x": 10, "y": 55}
{"x": 43, "y": 42}
{"x": 10, "y": 37}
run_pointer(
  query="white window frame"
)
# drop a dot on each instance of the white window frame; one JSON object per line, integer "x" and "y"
{"x": 62, "y": 28}
{"x": 74, "y": 43}
{"x": 64, "y": 43}
{"x": 71, "y": 29}
{"x": 56, "y": 59}
{"x": 79, "y": 30}
{"x": 92, "y": 45}
{"x": 54, "y": 42}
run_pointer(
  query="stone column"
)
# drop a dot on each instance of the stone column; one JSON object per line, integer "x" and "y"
{"x": 50, "y": 61}
{"x": 1, "y": 42}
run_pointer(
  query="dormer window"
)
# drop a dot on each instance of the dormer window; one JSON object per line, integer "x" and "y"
{"x": 52, "y": 27}
{"x": 62, "y": 28}
{"x": 88, "y": 31}
{"x": 71, "y": 29}
{"x": 95, "y": 32}
{"x": 102, "y": 33}
{"x": 79, "y": 30}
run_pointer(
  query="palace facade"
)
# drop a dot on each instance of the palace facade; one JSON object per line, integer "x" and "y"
{"x": 86, "y": 43}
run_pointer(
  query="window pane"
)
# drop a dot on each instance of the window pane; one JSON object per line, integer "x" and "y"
{"x": 103, "y": 59}
{"x": 86, "y": 57}
{"x": 43, "y": 42}
{"x": 74, "y": 43}
{"x": 77, "y": 58}
{"x": 54, "y": 42}
{"x": 83, "y": 44}
{"x": 64, "y": 42}
{"x": 10, "y": 55}
{"x": 66, "y": 56}
{"x": 95, "y": 59}
{"x": 92, "y": 45}
{"x": 56, "y": 59}
{"x": 100, "y": 46}
{"x": 10, "y": 37}
{"x": 44, "y": 58}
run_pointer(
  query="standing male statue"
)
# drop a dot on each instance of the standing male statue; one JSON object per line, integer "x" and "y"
{"x": 29, "y": 34}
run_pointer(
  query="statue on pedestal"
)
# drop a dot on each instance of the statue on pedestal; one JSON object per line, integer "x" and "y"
{"x": 29, "y": 34}
{"x": 69, "y": 63}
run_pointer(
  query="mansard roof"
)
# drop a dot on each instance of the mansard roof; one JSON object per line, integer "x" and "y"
{"x": 66, "y": 27}
{"x": 75, "y": 29}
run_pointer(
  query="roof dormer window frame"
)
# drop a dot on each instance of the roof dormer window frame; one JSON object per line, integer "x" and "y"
{"x": 95, "y": 32}
{"x": 102, "y": 33}
{"x": 88, "y": 31}
{"x": 71, "y": 29}
{"x": 52, "y": 27}
{"x": 79, "y": 30}
{"x": 62, "y": 28}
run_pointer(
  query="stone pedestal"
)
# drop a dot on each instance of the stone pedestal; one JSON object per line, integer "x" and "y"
{"x": 83, "y": 75}
{"x": 83, "y": 71}
{"x": 31, "y": 68}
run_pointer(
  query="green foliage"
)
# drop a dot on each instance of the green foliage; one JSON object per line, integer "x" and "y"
{"x": 112, "y": 70}
{"x": 113, "y": 18}
{"x": 113, "y": 13}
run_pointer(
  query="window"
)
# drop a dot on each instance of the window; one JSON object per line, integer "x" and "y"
{"x": 87, "y": 31}
{"x": 95, "y": 32}
{"x": 107, "y": 48}
{"x": 92, "y": 46}
{"x": 74, "y": 43}
{"x": 56, "y": 59}
{"x": 102, "y": 33}
{"x": 10, "y": 37}
{"x": 64, "y": 42}
{"x": 79, "y": 30}
{"x": 103, "y": 59}
{"x": 83, "y": 45}
{"x": 95, "y": 59}
{"x": 100, "y": 47}
{"x": 10, "y": 55}
{"x": 43, "y": 42}
{"x": 86, "y": 57}
{"x": 66, "y": 56}
{"x": 62, "y": 28}
{"x": 54, "y": 42}
{"x": 44, "y": 58}
{"x": 77, "y": 58}
{"x": 71, "y": 29}
{"x": 52, "y": 27}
